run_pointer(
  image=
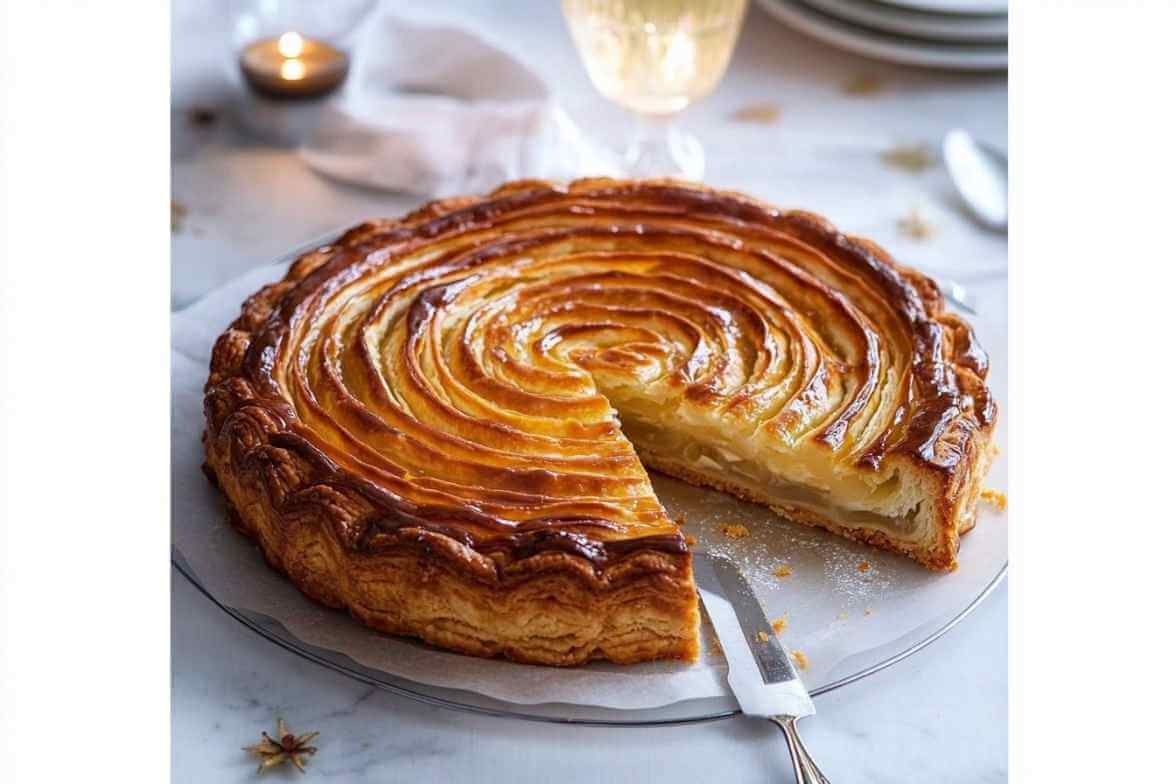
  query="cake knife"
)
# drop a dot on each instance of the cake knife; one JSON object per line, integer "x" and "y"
{"x": 759, "y": 670}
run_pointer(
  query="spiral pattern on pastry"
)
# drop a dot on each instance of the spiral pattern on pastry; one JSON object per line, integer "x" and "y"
{"x": 459, "y": 373}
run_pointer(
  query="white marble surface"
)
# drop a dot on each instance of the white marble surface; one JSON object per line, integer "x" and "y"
{"x": 939, "y": 716}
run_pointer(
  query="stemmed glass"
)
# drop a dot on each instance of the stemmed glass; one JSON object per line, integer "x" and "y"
{"x": 655, "y": 58}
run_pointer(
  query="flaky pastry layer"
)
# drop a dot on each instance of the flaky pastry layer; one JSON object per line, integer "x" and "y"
{"x": 552, "y": 609}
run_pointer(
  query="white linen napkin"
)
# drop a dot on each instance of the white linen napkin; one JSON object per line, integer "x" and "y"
{"x": 435, "y": 109}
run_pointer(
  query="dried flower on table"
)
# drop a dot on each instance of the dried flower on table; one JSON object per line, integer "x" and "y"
{"x": 863, "y": 84}
{"x": 763, "y": 113}
{"x": 913, "y": 158}
{"x": 287, "y": 748}
{"x": 998, "y": 499}
{"x": 733, "y": 531}
{"x": 915, "y": 225}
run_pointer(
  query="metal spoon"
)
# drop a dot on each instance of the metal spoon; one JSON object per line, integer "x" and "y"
{"x": 981, "y": 175}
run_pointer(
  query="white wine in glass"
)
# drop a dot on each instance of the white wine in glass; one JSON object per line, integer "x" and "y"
{"x": 656, "y": 57}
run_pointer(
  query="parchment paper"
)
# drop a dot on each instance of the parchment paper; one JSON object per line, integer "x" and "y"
{"x": 835, "y": 607}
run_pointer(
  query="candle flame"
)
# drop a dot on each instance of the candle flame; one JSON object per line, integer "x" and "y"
{"x": 290, "y": 45}
{"x": 293, "y": 70}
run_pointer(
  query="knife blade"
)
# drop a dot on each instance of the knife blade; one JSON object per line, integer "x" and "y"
{"x": 759, "y": 671}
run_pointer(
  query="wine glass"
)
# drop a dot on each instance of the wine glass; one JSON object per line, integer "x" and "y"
{"x": 655, "y": 58}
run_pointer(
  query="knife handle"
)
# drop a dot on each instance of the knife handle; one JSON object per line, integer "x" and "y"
{"x": 806, "y": 770}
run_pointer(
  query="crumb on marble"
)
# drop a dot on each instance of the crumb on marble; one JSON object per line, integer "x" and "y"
{"x": 782, "y": 571}
{"x": 864, "y": 566}
{"x": 764, "y": 113}
{"x": 863, "y": 84}
{"x": 869, "y": 611}
{"x": 801, "y": 660}
{"x": 913, "y": 158}
{"x": 763, "y": 637}
{"x": 780, "y": 624}
{"x": 179, "y": 211}
{"x": 690, "y": 540}
{"x": 915, "y": 225}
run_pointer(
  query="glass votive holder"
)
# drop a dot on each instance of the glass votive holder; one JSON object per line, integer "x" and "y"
{"x": 287, "y": 56}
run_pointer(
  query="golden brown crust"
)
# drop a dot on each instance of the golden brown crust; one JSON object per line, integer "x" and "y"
{"x": 412, "y": 424}
{"x": 551, "y": 609}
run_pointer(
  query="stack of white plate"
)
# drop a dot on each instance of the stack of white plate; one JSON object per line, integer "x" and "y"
{"x": 959, "y": 34}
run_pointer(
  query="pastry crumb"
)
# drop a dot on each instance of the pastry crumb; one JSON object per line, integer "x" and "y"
{"x": 912, "y": 158}
{"x": 869, "y": 611}
{"x": 713, "y": 645}
{"x": 800, "y": 659}
{"x": 999, "y": 500}
{"x": 864, "y": 566}
{"x": 765, "y": 113}
{"x": 690, "y": 540}
{"x": 916, "y": 226}
{"x": 735, "y": 531}
{"x": 782, "y": 571}
{"x": 780, "y": 624}
{"x": 763, "y": 637}
{"x": 863, "y": 84}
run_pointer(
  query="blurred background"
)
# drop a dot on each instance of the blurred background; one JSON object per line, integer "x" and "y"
{"x": 457, "y": 96}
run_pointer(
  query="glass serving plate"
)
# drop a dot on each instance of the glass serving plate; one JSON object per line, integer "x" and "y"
{"x": 686, "y": 712}
{"x": 863, "y": 621}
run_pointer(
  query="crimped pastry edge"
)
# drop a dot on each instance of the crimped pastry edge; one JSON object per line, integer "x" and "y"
{"x": 557, "y": 613}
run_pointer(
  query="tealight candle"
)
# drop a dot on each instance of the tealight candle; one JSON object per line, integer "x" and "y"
{"x": 291, "y": 66}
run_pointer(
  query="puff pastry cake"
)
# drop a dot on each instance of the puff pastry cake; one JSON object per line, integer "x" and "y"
{"x": 442, "y": 422}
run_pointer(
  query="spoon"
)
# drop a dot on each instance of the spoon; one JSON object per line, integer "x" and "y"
{"x": 981, "y": 175}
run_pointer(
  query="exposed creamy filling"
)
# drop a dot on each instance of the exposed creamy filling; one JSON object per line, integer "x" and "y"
{"x": 789, "y": 480}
